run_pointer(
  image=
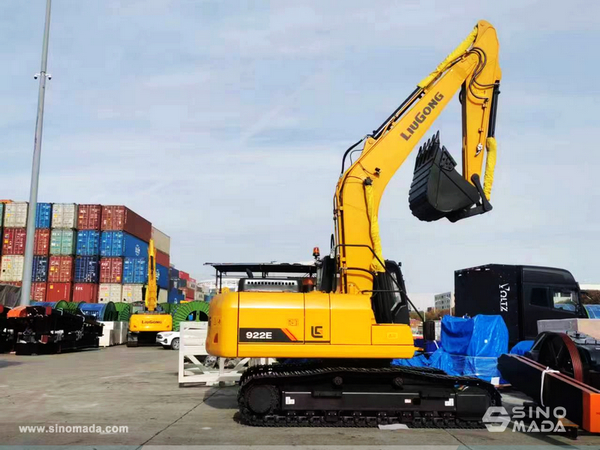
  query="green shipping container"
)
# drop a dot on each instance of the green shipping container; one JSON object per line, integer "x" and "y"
{"x": 1, "y": 214}
{"x": 62, "y": 242}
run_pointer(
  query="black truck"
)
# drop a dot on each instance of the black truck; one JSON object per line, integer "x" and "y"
{"x": 522, "y": 295}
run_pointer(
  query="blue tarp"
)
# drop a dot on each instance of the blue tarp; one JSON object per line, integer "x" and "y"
{"x": 489, "y": 338}
{"x": 417, "y": 361}
{"x": 593, "y": 311}
{"x": 456, "y": 334}
{"x": 469, "y": 347}
{"x": 429, "y": 346}
{"x": 451, "y": 364}
{"x": 483, "y": 367}
{"x": 521, "y": 348}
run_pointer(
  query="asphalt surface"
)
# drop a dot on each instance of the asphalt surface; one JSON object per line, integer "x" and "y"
{"x": 138, "y": 388}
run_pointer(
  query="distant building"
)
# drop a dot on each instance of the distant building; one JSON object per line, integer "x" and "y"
{"x": 444, "y": 301}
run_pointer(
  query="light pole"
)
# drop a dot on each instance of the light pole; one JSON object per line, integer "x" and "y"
{"x": 35, "y": 169}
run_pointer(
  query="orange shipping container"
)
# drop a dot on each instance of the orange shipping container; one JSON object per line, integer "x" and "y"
{"x": 60, "y": 269}
{"x": 41, "y": 242}
{"x": 38, "y": 292}
{"x": 85, "y": 292}
{"x": 111, "y": 270}
{"x": 162, "y": 258}
{"x": 120, "y": 218}
{"x": 13, "y": 242}
{"x": 58, "y": 291}
{"x": 89, "y": 217}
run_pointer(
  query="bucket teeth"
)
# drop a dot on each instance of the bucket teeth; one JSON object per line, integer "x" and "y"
{"x": 427, "y": 150}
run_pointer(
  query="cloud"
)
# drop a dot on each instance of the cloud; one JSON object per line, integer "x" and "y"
{"x": 225, "y": 126}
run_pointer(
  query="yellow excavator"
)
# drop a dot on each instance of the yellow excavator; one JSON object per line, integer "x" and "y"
{"x": 145, "y": 325}
{"x": 356, "y": 319}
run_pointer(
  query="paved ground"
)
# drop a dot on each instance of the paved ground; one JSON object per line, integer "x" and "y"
{"x": 138, "y": 387}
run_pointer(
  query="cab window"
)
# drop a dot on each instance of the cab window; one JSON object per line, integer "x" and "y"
{"x": 565, "y": 299}
{"x": 553, "y": 297}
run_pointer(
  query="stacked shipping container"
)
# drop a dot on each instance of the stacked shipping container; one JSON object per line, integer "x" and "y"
{"x": 63, "y": 239}
{"x": 13, "y": 242}
{"x": 124, "y": 254}
{"x": 88, "y": 253}
{"x": 162, "y": 247}
{"x": 13, "y": 245}
{"x": 41, "y": 251}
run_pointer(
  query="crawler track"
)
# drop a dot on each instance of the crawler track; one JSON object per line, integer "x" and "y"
{"x": 361, "y": 397}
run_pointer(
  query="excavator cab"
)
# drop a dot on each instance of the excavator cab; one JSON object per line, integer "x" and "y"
{"x": 438, "y": 190}
{"x": 389, "y": 300}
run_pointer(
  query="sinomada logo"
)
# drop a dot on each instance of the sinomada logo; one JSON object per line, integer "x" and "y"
{"x": 534, "y": 419}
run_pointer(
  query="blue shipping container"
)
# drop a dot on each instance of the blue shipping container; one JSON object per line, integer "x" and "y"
{"x": 175, "y": 296}
{"x": 43, "y": 215}
{"x": 135, "y": 270}
{"x": 88, "y": 243}
{"x": 87, "y": 269}
{"x": 118, "y": 243}
{"x": 162, "y": 276}
{"x": 173, "y": 274}
{"x": 39, "y": 272}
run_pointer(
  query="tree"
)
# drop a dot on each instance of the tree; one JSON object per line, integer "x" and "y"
{"x": 590, "y": 297}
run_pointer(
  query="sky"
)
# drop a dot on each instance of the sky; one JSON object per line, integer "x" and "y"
{"x": 224, "y": 123}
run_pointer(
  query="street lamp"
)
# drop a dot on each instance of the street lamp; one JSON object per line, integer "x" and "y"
{"x": 35, "y": 169}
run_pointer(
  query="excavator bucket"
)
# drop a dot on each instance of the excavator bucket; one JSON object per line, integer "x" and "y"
{"x": 438, "y": 190}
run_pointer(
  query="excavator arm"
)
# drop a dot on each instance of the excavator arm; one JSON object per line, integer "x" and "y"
{"x": 438, "y": 190}
{"x": 151, "y": 300}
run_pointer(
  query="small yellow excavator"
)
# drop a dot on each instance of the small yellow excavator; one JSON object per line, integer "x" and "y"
{"x": 356, "y": 319}
{"x": 145, "y": 325}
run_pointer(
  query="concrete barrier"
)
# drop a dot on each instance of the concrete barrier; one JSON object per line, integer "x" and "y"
{"x": 114, "y": 333}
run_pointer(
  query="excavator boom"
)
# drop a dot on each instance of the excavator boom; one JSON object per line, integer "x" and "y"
{"x": 438, "y": 190}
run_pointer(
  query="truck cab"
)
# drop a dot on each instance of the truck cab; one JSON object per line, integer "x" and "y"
{"x": 522, "y": 295}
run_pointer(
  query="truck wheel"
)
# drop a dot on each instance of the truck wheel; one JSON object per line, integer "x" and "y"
{"x": 175, "y": 344}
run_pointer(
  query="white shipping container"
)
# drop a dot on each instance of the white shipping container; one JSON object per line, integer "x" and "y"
{"x": 132, "y": 293}
{"x": 163, "y": 296}
{"x": 191, "y": 284}
{"x": 199, "y": 295}
{"x": 12, "y": 268}
{"x": 162, "y": 242}
{"x": 110, "y": 293}
{"x": 15, "y": 215}
{"x": 64, "y": 215}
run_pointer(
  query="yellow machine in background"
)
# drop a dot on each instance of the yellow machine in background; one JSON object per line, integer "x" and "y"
{"x": 357, "y": 318}
{"x": 144, "y": 326}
